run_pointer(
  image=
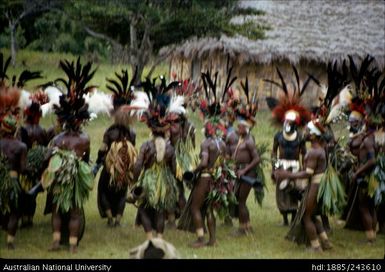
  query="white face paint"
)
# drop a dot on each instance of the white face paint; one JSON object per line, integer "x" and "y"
{"x": 288, "y": 127}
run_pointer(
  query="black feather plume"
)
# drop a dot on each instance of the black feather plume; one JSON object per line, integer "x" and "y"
{"x": 271, "y": 102}
{"x": 284, "y": 87}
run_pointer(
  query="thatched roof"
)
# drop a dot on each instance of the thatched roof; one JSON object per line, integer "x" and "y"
{"x": 318, "y": 31}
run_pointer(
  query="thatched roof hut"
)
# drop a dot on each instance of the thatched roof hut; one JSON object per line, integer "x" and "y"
{"x": 305, "y": 33}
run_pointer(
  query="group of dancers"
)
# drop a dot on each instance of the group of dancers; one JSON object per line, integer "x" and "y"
{"x": 313, "y": 181}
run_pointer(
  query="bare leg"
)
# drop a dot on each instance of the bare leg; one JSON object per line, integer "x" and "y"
{"x": 110, "y": 220}
{"x": 293, "y": 215}
{"x": 244, "y": 217}
{"x": 211, "y": 225}
{"x": 285, "y": 219}
{"x": 74, "y": 228}
{"x": 310, "y": 227}
{"x": 368, "y": 220}
{"x": 198, "y": 198}
{"x": 11, "y": 229}
{"x": 56, "y": 229}
{"x": 159, "y": 219}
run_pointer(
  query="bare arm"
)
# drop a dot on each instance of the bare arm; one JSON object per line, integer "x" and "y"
{"x": 140, "y": 161}
{"x": 23, "y": 159}
{"x": 274, "y": 151}
{"x": 311, "y": 164}
{"x": 204, "y": 156}
{"x": 302, "y": 153}
{"x": 254, "y": 155}
{"x": 173, "y": 162}
{"x": 370, "y": 155}
{"x": 103, "y": 149}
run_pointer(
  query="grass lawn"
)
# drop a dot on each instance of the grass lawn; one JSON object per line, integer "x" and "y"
{"x": 102, "y": 242}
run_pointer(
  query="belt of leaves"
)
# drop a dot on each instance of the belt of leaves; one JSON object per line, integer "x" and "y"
{"x": 35, "y": 160}
{"x": 221, "y": 195}
{"x": 159, "y": 186}
{"x": 119, "y": 162}
{"x": 331, "y": 193}
{"x": 262, "y": 150}
{"x": 376, "y": 186}
{"x": 69, "y": 179}
{"x": 9, "y": 187}
{"x": 186, "y": 157}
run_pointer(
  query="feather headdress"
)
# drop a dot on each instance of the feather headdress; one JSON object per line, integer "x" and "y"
{"x": 159, "y": 101}
{"x": 248, "y": 110}
{"x": 337, "y": 94}
{"x": 10, "y": 93}
{"x": 33, "y": 111}
{"x": 289, "y": 104}
{"x": 123, "y": 89}
{"x": 369, "y": 90}
{"x": 213, "y": 108}
{"x": 72, "y": 110}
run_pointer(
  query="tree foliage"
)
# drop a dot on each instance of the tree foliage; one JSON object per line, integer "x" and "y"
{"x": 130, "y": 31}
{"x": 141, "y": 28}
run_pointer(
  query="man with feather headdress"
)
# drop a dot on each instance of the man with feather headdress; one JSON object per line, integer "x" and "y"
{"x": 155, "y": 168}
{"x": 213, "y": 187}
{"x": 36, "y": 139}
{"x": 289, "y": 146}
{"x": 241, "y": 148}
{"x": 117, "y": 153}
{"x": 182, "y": 138}
{"x": 68, "y": 177}
{"x": 365, "y": 119}
{"x": 307, "y": 227}
{"x": 13, "y": 152}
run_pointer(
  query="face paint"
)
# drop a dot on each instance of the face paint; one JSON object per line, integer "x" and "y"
{"x": 289, "y": 127}
{"x": 354, "y": 126}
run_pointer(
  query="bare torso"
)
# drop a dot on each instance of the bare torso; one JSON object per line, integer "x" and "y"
{"x": 78, "y": 142}
{"x": 16, "y": 152}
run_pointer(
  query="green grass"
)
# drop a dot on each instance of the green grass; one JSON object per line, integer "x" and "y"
{"x": 101, "y": 242}
{"x": 268, "y": 240}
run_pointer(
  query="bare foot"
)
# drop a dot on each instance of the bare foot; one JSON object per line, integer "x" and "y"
{"x": 239, "y": 233}
{"x": 55, "y": 246}
{"x": 73, "y": 249}
{"x": 314, "y": 249}
{"x": 110, "y": 222}
{"x": 10, "y": 246}
{"x": 326, "y": 245}
{"x": 198, "y": 243}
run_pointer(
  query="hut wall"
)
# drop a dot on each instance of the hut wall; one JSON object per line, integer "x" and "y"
{"x": 180, "y": 68}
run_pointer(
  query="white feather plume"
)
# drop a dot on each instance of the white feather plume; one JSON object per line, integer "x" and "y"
{"x": 339, "y": 103}
{"x": 176, "y": 105}
{"x": 25, "y": 99}
{"x": 139, "y": 104}
{"x": 53, "y": 94}
{"x": 99, "y": 103}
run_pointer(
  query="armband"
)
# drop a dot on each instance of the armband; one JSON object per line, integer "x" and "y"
{"x": 309, "y": 171}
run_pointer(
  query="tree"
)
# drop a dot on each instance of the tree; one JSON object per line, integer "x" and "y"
{"x": 16, "y": 10}
{"x": 140, "y": 28}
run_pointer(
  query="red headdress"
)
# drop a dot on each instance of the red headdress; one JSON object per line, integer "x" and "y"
{"x": 289, "y": 104}
{"x": 33, "y": 111}
{"x": 10, "y": 93}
